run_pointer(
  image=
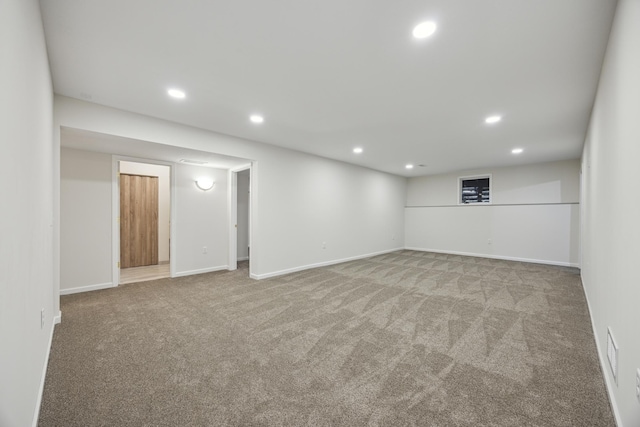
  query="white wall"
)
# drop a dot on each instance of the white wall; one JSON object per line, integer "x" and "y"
{"x": 534, "y": 214}
{"x": 356, "y": 211}
{"x": 26, "y": 217}
{"x": 85, "y": 220}
{"x": 201, "y": 221}
{"x": 243, "y": 215}
{"x": 544, "y": 183}
{"x": 611, "y": 209}
{"x": 86, "y": 196}
{"x": 164, "y": 200}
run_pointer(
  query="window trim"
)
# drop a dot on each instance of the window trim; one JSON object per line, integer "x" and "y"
{"x": 479, "y": 176}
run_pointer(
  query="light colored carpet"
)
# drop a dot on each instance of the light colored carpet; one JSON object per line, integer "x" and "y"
{"x": 403, "y": 339}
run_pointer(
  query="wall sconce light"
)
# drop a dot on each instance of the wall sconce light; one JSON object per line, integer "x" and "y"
{"x": 204, "y": 183}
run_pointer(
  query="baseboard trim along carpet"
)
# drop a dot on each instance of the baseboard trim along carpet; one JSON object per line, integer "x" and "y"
{"x": 36, "y": 414}
{"x": 505, "y": 258}
{"x": 200, "y": 271}
{"x": 603, "y": 363}
{"x": 320, "y": 264}
{"x": 87, "y": 288}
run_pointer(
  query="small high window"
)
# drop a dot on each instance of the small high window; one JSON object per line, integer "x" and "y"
{"x": 475, "y": 189}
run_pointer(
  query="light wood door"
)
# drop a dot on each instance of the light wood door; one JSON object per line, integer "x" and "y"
{"x": 138, "y": 220}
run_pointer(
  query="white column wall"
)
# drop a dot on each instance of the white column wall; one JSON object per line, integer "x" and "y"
{"x": 85, "y": 220}
{"x": 26, "y": 217}
{"x": 201, "y": 221}
{"x": 611, "y": 210}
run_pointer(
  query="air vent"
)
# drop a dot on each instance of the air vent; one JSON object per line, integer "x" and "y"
{"x": 193, "y": 162}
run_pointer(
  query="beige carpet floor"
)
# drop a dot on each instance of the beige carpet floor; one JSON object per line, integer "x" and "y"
{"x": 402, "y": 339}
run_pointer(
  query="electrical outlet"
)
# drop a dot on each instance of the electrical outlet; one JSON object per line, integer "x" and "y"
{"x": 638, "y": 384}
{"x": 42, "y": 318}
{"x": 204, "y": 249}
{"x": 324, "y": 245}
{"x": 489, "y": 241}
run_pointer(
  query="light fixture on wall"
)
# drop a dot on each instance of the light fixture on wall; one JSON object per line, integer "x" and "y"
{"x": 204, "y": 183}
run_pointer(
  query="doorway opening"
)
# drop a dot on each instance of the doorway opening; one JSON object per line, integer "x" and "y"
{"x": 240, "y": 214}
{"x": 145, "y": 221}
{"x": 242, "y": 219}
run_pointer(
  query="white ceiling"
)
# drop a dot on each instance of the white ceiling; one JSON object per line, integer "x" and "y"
{"x": 110, "y": 144}
{"x": 334, "y": 74}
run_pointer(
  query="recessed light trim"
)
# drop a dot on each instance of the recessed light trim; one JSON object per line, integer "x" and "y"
{"x": 409, "y": 166}
{"x": 176, "y": 93}
{"x": 517, "y": 151}
{"x": 256, "y": 118}
{"x": 424, "y": 29}
{"x": 492, "y": 119}
{"x": 358, "y": 150}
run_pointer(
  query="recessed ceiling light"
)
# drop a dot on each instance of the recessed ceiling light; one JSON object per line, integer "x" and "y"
{"x": 492, "y": 119}
{"x": 409, "y": 166}
{"x": 176, "y": 93}
{"x": 256, "y": 118}
{"x": 424, "y": 29}
{"x": 357, "y": 150}
{"x": 517, "y": 150}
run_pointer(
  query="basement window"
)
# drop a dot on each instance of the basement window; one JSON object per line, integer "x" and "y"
{"x": 474, "y": 190}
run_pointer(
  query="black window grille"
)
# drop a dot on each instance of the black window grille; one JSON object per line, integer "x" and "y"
{"x": 475, "y": 190}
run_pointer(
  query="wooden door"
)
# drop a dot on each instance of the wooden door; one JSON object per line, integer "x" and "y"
{"x": 138, "y": 220}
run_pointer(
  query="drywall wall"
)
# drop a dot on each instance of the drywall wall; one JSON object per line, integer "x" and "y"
{"x": 611, "y": 210}
{"x": 355, "y": 211}
{"x": 542, "y": 183}
{"x": 26, "y": 217}
{"x": 164, "y": 200}
{"x": 86, "y": 196}
{"x": 243, "y": 215}
{"x": 201, "y": 224}
{"x": 85, "y": 220}
{"x": 534, "y": 214}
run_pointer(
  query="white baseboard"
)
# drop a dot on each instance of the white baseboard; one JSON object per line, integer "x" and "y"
{"x": 200, "y": 271}
{"x": 244, "y": 258}
{"x": 506, "y": 258}
{"x": 87, "y": 288}
{"x": 57, "y": 319}
{"x": 36, "y": 415}
{"x": 320, "y": 264}
{"x": 603, "y": 365}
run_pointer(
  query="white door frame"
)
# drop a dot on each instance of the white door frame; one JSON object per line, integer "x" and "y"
{"x": 115, "y": 212}
{"x": 233, "y": 213}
